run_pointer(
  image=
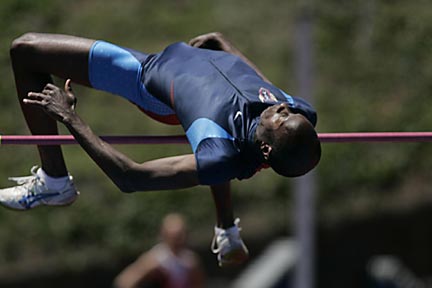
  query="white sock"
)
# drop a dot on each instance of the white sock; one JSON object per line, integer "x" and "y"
{"x": 52, "y": 183}
{"x": 234, "y": 230}
{"x": 231, "y": 230}
{"x": 218, "y": 230}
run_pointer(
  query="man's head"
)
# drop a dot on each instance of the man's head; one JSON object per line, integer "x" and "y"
{"x": 287, "y": 141}
{"x": 173, "y": 231}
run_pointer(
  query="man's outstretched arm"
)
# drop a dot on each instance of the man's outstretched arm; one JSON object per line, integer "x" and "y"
{"x": 166, "y": 173}
{"x": 216, "y": 41}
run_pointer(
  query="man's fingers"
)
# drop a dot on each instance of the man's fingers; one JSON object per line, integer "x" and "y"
{"x": 35, "y": 95}
{"x": 32, "y": 102}
{"x": 202, "y": 39}
{"x": 200, "y": 43}
{"x": 50, "y": 86}
{"x": 199, "y": 40}
{"x": 67, "y": 86}
{"x": 195, "y": 42}
{"x": 47, "y": 91}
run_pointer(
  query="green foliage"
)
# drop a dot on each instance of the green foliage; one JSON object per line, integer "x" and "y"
{"x": 374, "y": 73}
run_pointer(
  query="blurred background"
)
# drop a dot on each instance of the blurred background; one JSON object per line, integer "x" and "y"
{"x": 372, "y": 71}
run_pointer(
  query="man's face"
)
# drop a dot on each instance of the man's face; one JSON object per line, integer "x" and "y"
{"x": 274, "y": 119}
{"x": 173, "y": 233}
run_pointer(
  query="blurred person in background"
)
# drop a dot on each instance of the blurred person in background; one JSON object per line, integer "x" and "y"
{"x": 169, "y": 264}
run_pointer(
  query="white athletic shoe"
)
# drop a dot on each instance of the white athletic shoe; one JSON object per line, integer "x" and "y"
{"x": 31, "y": 192}
{"x": 229, "y": 246}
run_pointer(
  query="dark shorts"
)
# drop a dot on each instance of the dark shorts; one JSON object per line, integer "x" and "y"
{"x": 119, "y": 71}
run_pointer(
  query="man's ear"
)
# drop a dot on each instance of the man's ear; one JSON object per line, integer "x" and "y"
{"x": 265, "y": 149}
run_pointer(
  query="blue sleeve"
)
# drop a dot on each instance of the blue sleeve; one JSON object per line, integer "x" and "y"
{"x": 218, "y": 161}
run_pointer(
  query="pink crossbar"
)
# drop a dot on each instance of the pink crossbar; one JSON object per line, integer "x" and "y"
{"x": 376, "y": 137}
{"x": 181, "y": 139}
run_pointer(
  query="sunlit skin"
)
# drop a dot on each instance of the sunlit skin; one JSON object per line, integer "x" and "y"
{"x": 274, "y": 117}
{"x": 275, "y": 122}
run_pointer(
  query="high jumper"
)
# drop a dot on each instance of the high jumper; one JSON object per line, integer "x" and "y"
{"x": 236, "y": 121}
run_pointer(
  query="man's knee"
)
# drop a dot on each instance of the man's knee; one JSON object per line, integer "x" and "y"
{"x": 24, "y": 45}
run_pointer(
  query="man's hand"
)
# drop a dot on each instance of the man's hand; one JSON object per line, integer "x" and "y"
{"x": 59, "y": 104}
{"x": 216, "y": 41}
{"x": 212, "y": 41}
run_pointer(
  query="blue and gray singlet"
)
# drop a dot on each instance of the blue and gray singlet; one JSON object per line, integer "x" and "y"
{"x": 215, "y": 96}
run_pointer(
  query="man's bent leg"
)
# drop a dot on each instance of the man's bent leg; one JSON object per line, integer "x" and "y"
{"x": 35, "y": 57}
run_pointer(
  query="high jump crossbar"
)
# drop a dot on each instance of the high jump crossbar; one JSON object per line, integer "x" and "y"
{"x": 362, "y": 137}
